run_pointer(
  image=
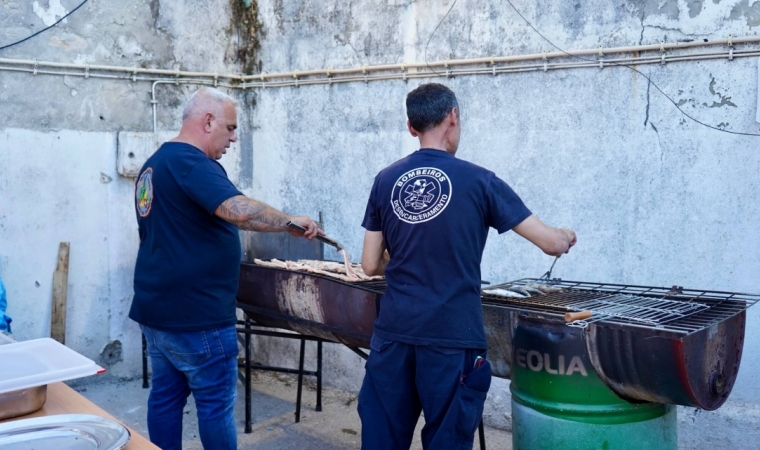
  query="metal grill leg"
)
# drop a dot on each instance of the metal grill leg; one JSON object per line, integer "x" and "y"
{"x": 145, "y": 361}
{"x": 248, "y": 427}
{"x": 482, "y": 434}
{"x": 319, "y": 376}
{"x": 300, "y": 381}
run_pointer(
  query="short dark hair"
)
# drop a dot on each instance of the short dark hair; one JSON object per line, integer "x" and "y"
{"x": 428, "y": 105}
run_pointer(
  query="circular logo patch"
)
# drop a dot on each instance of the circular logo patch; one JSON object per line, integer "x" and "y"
{"x": 144, "y": 192}
{"x": 421, "y": 194}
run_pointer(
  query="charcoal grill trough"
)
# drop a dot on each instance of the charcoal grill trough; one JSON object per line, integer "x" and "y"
{"x": 592, "y": 365}
{"x": 664, "y": 345}
{"x": 653, "y": 344}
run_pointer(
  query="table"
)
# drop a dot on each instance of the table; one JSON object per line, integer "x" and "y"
{"x": 61, "y": 399}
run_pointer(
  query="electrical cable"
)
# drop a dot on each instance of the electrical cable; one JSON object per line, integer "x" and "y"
{"x": 591, "y": 61}
{"x": 44, "y": 29}
{"x": 433, "y": 34}
{"x": 632, "y": 68}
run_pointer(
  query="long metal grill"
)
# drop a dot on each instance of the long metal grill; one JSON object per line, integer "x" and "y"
{"x": 674, "y": 309}
{"x": 678, "y": 310}
{"x": 648, "y": 311}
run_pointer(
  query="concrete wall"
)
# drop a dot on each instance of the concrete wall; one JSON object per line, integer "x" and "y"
{"x": 59, "y": 143}
{"x": 656, "y": 199}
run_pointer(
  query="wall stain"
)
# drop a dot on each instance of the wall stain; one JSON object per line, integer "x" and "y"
{"x": 724, "y": 99}
{"x": 743, "y": 10}
{"x": 245, "y": 20}
{"x": 155, "y": 11}
{"x": 367, "y": 44}
{"x": 279, "y": 9}
{"x": 645, "y": 8}
{"x": 695, "y": 7}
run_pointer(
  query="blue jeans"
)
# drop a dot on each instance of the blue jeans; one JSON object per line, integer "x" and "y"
{"x": 402, "y": 380}
{"x": 203, "y": 363}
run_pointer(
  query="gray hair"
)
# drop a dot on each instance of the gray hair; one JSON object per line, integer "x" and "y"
{"x": 206, "y": 100}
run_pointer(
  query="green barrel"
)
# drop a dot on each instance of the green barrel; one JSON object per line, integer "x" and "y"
{"x": 559, "y": 402}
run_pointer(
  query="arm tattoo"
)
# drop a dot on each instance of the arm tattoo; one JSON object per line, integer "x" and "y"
{"x": 253, "y": 215}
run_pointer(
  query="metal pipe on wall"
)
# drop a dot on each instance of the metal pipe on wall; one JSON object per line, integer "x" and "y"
{"x": 154, "y": 101}
{"x": 132, "y": 72}
{"x": 397, "y": 71}
{"x": 601, "y": 51}
{"x": 495, "y": 70}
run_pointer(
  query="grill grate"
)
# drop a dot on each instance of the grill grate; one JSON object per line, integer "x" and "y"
{"x": 675, "y": 309}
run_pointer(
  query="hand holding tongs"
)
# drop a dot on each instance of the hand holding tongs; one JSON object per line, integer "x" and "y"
{"x": 338, "y": 246}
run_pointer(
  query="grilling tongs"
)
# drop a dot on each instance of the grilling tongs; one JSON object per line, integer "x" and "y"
{"x": 338, "y": 246}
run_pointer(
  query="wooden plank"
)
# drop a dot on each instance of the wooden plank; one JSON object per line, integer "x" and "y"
{"x": 60, "y": 288}
{"x": 61, "y": 399}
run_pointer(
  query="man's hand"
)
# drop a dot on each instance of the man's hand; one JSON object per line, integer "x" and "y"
{"x": 571, "y": 236}
{"x": 552, "y": 241}
{"x": 312, "y": 230}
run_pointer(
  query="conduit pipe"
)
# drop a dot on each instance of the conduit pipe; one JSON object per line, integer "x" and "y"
{"x": 177, "y": 82}
{"x": 396, "y": 71}
{"x": 601, "y": 51}
{"x": 492, "y": 70}
{"x": 130, "y": 71}
{"x": 496, "y": 70}
{"x": 154, "y": 74}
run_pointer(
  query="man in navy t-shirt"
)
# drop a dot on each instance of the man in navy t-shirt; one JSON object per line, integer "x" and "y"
{"x": 426, "y": 224}
{"x": 187, "y": 270}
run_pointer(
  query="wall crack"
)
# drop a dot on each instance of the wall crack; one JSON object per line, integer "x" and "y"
{"x": 659, "y": 141}
{"x": 347, "y": 42}
{"x": 646, "y": 117}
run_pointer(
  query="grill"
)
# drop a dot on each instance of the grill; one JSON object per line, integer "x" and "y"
{"x": 310, "y": 304}
{"x": 669, "y": 310}
{"x": 664, "y": 345}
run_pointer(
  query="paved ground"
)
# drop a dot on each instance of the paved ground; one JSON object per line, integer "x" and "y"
{"x": 337, "y": 427}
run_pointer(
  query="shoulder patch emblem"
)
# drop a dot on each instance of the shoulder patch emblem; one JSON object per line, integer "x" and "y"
{"x": 144, "y": 192}
{"x": 421, "y": 194}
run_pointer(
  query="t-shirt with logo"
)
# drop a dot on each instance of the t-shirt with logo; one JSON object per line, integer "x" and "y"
{"x": 188, "y": 264}
{"x": 434, "y": 211}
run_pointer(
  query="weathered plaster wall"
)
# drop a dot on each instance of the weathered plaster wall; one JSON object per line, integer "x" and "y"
{"x": 655, "y": 198}
{"x": 69, "y": 202}
{"x": 58, "y": 150}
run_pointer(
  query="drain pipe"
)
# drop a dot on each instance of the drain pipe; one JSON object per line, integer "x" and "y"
{"x": 177, "y": 82}
{"x": 153, "y": 100}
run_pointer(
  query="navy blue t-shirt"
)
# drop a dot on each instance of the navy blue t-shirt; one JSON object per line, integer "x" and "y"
{"x": 188, "y": 264}
{"x": 434, "y": 211}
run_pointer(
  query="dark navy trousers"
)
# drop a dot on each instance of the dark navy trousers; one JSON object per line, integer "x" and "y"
{"x": 403, "y": 380}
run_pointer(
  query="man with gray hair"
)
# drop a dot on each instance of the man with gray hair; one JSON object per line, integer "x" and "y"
{"x": 187, "y": 270}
